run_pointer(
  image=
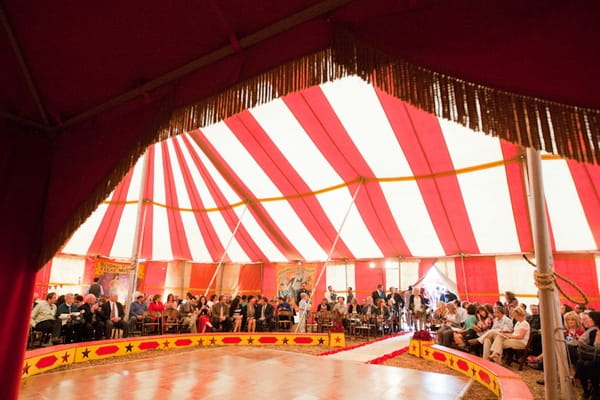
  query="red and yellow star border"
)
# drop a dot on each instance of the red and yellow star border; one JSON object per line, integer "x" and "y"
{"x": 497, "y": 379}
{"x": 48, "y": 358}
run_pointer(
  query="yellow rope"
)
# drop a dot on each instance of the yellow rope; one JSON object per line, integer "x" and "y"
{"x": 547, "y": 281}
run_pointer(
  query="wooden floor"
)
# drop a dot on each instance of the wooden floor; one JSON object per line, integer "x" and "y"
{"x": 244, "y": 373}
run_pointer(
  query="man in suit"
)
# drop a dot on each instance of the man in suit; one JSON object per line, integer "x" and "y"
{"x": 265, "y": 316}
{"x": 220, "y": 315}
{"x": 302, "y": 289}
{"x": 378, "y": 294}
{"x": 114, "y": 314}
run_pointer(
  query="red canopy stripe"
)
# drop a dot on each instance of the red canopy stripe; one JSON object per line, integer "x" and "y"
{"x": 262, "y": 217}
{"x": 283, "y": 175}
{"x": 321, "y": 123}
{"x": 179, "y": 245}
{"x": 518, "y": 196}
{"x": 442, "y": 195}
{"x": 209, "y": 235}
{"x": 147, "y": 219}
{"x": 587, "y": 181}
{"x": 105, "y": 236}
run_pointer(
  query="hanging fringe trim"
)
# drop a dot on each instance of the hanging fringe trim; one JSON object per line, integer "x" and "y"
{"x": 547, "y": 281}
{"x": 573, "y": 132}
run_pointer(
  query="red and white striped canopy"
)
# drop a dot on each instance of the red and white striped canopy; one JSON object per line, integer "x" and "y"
{"x": 281, "y": 181}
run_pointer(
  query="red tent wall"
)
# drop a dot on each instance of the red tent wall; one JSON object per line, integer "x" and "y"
{"x": 155, "y": 274}
{"x": 269, "y": 282}
{"x": 42, "y": 277}
{"x": 368, "y": 278}
{"x": 582, "y": 271}
{"x": 250, "y": 280}
{"x": 481, "y": 274}
{"x": 200, "y": 278}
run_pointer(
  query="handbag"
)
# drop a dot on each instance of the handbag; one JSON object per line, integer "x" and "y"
{"x": 588, "y": 353}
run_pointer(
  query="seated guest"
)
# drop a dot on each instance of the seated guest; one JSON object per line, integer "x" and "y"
{"x": 113, "y": 315}
{"x": 93, "y": 327}
{"x": 339, "y": 315}
{"x": 68, "y": 313}
{"x": 516, "y": 340}
{"x": 266, "y": 316}
{"x": 368, "y": 308}
{"x": 235, "y": 312}
{"x": 535, "y": 323}
{"x": 43, "y": 319}
{"x": 136, "y": 313}
{"x": 468, "y": 330}
{"x": 353, "y": 306}
{"x": 501, "y": 324}
{"x": 324, "y": 306}
{"x": 283, "y": 303}
{"x": 588, "y": 371}
{"x": 445, "y": 335}
{"x": 204, "y": 324}
{"x": 439, "y": 316}
{"x": 189, "y": 313}
{"x": 220, "y": 315}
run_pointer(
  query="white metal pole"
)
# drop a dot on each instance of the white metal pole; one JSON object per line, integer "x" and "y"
{"x": 137, "y": 238}
{"x": 222, "y": 260}
{"x": 337, "y": 237}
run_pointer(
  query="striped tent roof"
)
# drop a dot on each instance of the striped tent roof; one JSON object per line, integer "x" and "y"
{"x": 280, "y": 181}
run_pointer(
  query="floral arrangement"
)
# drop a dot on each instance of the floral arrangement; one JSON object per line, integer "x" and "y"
{"x": 385, "y": 357}
{"x": 422, "y": 335}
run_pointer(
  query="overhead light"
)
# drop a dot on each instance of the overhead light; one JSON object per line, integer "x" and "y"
{"x": 371, "y": 264}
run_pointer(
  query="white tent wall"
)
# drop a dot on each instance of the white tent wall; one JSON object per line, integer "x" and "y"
{"x": 175, "y": 279}
{"x": 516, "y": 275}
{"x": 340, "y": 277}
{"x": 227, "y": 281}
{"x": 66, "y": 275}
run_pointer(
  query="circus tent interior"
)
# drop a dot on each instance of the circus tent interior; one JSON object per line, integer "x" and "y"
{"x": 228, "y": 128}
{"x": 341, "y": 177}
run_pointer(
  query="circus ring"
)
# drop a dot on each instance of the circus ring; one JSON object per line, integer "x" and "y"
{"x": 246, "y": 346}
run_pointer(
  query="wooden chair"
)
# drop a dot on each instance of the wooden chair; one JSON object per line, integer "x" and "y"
{"x": 152, "y": 323}
{"x": 171, "y": 321}
{"x": 519, "y": 355}
{"x": 284, "y": 319}
{"x": 311, "y": 323}
{"x": 324, "y": 321}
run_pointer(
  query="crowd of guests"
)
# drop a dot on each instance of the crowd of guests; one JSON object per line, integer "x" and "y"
{"x": 483, "y": 329}
{"x": 488, "y": 330}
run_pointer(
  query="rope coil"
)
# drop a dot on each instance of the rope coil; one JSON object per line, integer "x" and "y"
{"x": 547, "y": 281}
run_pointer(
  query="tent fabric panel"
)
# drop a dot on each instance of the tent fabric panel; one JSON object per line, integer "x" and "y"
{"x": 367, "y": 278}
{"x": 570, "y": 228}
{"x": 407, "y": 122}
{"x": 269, "y": 282}
{"x": 250, "y": 279}
{"x": 66, "y": 274}
{"x": 174, "y": 280}
{"x": 587, "y": 182}
{"x": 580, "y": 269}
{"x": 228, "y": 280}
{"x": 282, "y": 174}
{"x": 340, "y": 138}
{"x": 200, "y": 277}
{"x": 485, "y": 192}
{"x": 516, "y": 275}
{"x": 177, "y": 233}
{"x": 517, "y": 188}
{"x": 154, "y": 278}
{"x": 42, "y": 277}
{"x": 481, "y": 276}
